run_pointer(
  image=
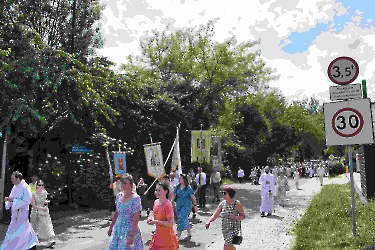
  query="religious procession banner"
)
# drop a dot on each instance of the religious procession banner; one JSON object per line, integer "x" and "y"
{"x": 176, "y": 158}
{"x": 154, "y": 160}
{"x": 200, "y": 146}
{"x": 119, "y": 159}
{"x": 216, "y": 153}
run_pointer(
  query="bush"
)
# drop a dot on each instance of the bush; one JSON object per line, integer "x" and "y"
{"x": 336, "y": 169}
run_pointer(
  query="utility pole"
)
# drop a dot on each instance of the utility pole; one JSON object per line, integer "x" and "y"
{"x": 3, "y": 166}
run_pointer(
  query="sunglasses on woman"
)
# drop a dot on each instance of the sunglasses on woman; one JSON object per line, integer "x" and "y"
{"x": 224, "y": 192}
{"x": 40, "y": 185}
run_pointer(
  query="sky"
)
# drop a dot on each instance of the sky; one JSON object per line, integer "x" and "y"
{"x": 299, "y": 38}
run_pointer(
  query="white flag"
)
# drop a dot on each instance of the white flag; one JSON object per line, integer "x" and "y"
{"x": 178, "y": 152}
{"x": 176, "y": 158}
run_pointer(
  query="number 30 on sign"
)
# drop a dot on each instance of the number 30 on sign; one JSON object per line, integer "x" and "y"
{"x": 343, "y": 70}
{"x": 347, "y": 122}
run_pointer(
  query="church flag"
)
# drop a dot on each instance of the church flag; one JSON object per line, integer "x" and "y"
{"x": 119, "y": 159}
{"x": 200, "y": 146}
{"x": 154, "y": 160}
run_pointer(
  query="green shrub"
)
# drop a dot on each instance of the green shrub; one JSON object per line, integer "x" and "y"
{"x": 336, "y": 169}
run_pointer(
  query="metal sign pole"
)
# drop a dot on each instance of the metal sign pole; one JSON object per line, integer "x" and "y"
{"x": 352, "y": 190}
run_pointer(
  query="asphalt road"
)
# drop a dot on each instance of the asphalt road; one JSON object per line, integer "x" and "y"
{"x": 91, "y": 233}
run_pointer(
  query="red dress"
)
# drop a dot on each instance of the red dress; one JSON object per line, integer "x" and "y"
{"x": 164, "y": 237}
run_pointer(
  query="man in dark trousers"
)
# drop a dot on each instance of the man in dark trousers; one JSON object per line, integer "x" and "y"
{"x": 200, "y": 179}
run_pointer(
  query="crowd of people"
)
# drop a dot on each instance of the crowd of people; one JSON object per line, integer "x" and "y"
{"x": 176, "y": 197}
{"x": 274, "y": 183}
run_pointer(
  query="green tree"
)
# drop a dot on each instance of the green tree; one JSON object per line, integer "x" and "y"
{"x": 45, "y": 84}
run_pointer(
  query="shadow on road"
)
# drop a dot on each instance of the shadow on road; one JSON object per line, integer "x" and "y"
{"x": 250, "y": 199}
{"x": 78, "y": 218}
{"x": 274, "y": 217}
{"x": 189, "y": 243}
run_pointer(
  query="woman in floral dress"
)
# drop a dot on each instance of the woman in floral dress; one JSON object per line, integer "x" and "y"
{"x": 40, "y": 218}
{"x": 184, "y": 197}
{"x": 164, "y": 237}
{"x": 232, "y": 213}
{"x": 124, "y": 229}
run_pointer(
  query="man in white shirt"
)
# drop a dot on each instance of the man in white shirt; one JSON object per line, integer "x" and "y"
{"x": 200, "y": 179}
{"x": 240, "y": 174}
{"x": 267, "y": 181}
{"x": 215, "y": 182}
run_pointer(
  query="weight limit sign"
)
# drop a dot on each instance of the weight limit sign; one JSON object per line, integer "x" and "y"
{"x": 343, "y": 70}
{"x": 347, "y": 122}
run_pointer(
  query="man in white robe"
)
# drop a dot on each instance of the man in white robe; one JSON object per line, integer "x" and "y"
{"x": 20, "y": 234}
{"x": 267, "y": 181}
{"x": 321, "y": 175}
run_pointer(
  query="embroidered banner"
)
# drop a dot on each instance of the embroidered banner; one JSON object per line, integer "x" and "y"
{"x": 200, "y": 146}
{"x": 154, "y": 160}
{"x": 119, "y": 159}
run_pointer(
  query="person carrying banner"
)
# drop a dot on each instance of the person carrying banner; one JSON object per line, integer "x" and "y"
{"x": 141, "y": 189}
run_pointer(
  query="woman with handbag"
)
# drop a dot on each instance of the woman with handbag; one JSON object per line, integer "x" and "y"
{"x": 232, "y": 215}
{"x": 40, "y": 218}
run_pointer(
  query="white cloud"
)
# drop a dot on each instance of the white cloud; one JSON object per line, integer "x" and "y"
{"x": 301, "y": 74}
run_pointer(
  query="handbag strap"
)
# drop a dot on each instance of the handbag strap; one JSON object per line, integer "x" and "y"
{"x": 234, "y": 209}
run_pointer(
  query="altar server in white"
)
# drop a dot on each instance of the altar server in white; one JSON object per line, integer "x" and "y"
{"x": 267, "y": 181}
{"x": 20, "y": 234}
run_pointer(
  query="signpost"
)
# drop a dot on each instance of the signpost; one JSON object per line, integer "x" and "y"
{"x": 350, "y": 121}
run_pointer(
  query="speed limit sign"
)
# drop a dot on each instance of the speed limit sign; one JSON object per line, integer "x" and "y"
{"x": 343, "y": 70}
{"x": 348, "y": 122}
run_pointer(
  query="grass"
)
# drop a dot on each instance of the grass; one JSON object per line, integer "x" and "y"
{"x": 226, "y": 182}
{"x": 325, "y": 225}
{"x": 334, "y": 176}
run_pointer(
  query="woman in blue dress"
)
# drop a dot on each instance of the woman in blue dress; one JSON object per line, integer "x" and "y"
{"x": 184, "y": 197}
{"x": 126, "y": 234}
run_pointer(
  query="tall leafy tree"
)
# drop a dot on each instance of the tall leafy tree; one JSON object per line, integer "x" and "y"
{"x": 43, "y": 85}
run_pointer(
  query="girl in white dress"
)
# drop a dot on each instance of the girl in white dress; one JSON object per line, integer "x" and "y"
{"x": 283, "y": 186}
{"x": 40, "y": 218}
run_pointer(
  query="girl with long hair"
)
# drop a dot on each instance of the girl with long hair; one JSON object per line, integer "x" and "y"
{"x": 164, "y": 236}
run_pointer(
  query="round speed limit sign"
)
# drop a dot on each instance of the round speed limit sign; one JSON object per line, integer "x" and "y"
{"x": 343, "y": 70}
{"x": 347, "y": 122}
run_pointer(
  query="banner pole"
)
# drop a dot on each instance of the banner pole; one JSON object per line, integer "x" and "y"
{"x": 163, "y": 166}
